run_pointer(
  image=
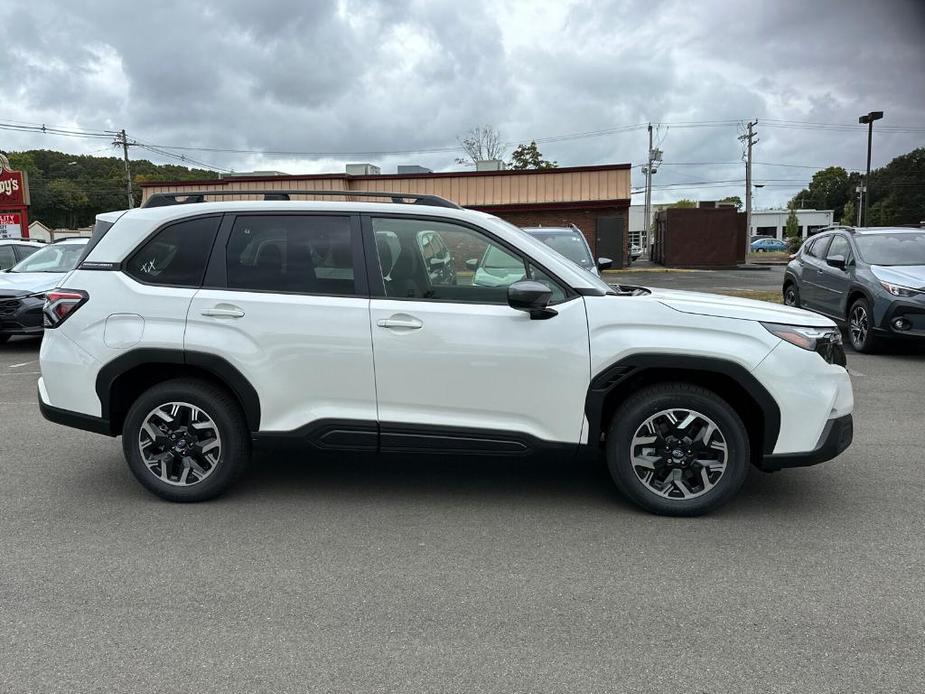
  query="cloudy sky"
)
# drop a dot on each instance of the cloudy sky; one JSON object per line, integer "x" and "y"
{"x": 392, "y": 82}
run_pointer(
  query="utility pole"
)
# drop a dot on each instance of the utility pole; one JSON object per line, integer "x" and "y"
{"x": 648, "y": 202}
{"x": 860, "y": 191}
{"x": 750, "y": 139}
{"x": 121, "y": 139}
{"x": 653, "y": 159}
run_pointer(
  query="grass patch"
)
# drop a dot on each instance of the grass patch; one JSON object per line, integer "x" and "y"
{"x": 770, "y": 295}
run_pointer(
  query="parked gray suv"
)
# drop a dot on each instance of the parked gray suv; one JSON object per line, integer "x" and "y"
{"x": 870, "y": 279}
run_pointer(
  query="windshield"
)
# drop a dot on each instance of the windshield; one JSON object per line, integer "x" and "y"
{"x": 569, "y": 245}
{"x": 902, "y": 248}
{"x": 60, "y": 257}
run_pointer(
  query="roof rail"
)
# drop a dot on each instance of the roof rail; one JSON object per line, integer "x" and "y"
{"x": 194, "y": 196}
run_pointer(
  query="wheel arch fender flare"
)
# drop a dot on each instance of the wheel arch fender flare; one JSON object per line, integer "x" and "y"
{"x": 219, "y": 368}
{"x": 608, "y": 381}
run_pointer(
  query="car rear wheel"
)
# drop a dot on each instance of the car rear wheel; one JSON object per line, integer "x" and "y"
{"x": 186, "y": 440}
{"x": 792, "y": 295}
{"x": 677, "y": 449}
{"x": 860, "y": 327}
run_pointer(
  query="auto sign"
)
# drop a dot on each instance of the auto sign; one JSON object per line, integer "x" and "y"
{"x": 10, "y": 225}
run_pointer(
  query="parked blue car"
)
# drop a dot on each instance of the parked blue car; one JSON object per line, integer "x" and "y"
{"x": 768, "y": 245}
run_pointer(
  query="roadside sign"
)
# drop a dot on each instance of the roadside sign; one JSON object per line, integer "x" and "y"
{"x": 10, "y": 225}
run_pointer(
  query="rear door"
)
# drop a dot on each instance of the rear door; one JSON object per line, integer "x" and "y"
{"x": 285, "y": 302}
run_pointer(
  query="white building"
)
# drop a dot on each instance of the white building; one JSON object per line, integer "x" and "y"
{"x": 773, "y": 222}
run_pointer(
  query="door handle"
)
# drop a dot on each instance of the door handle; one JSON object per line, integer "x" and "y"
{"x": 406, "y": 323}
{"x": 223, "y": 312}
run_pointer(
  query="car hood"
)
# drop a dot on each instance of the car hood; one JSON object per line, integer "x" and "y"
{"x": 29, "y": 282}
{"x": 733, "y": 307}
{"x": 904, "y": 275}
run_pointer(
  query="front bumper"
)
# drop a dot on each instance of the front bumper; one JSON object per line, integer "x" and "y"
{"x": 911, "y": 311}
{"x": 836, "y": 437}
{"x": 21, "y": 315}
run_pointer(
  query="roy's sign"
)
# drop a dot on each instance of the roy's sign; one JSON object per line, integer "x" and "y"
{"x": 13, "y": 190}
{"x": 10, "y": 225}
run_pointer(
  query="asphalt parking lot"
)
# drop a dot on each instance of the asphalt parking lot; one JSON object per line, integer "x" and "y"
{"x": 386, "y": 574}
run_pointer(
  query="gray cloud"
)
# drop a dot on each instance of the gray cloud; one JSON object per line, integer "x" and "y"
{"x": 352, "y": 76}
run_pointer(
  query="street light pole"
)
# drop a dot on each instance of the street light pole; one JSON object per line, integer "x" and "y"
{"x": 865, "y": 199}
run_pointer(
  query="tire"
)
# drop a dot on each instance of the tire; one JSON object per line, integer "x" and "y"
{"x": 791, "y": 295}
{"x": 860, "y": 329}
{"x": 210, "y": 468}
{"x": 661, "y": 492}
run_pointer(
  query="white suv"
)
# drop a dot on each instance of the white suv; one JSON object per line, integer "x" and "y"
{"x": 193, "y": 330}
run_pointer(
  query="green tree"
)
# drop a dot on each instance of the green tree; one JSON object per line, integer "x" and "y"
{"x": 735, "y": 200}
{"x": 829, "y": 189}
{"x": 849, "y": 214}
{"x": 530, "y": 157}
{"x": 792, "y": 229}
{"x": 684, "y": 202}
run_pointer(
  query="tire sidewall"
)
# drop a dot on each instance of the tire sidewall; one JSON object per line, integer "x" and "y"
{"x": 868, "y": 344}
{"x": 231, "y": 428}
{"x": 645, "y": 404}
{"x": 796, "y": 295}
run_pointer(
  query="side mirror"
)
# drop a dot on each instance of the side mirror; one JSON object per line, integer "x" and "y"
{"x": 531, "y": 296}
{"x": 604, "y": 263}
{"x": 472, "y": 263}
{"x": 836, "y": 261}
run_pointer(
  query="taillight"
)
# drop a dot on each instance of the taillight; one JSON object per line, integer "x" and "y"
{"x": 60, "y": 304}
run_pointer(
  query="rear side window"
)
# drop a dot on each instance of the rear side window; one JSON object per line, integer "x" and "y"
{"x": 301, "y": 254}
{"x": 7, "y": 258}
{"x": 176, "y": 255}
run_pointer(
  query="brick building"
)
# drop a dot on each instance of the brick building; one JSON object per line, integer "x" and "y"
{"x": 594, "y": 198}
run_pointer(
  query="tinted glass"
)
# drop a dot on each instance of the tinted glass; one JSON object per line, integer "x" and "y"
{"x": 453, "y": 263}
{"x": 58, "y": 257}
{"x": 904, "y": 248}
{"x": 177, "y": 255}
{"x": 817, "y": 250}
{"x": 301, "y": 254}
{"x": 571, "y": 246}
{"x": 839, "y": 246}
{"x": 24, "y": 251}
{"x": 7, "y": 258}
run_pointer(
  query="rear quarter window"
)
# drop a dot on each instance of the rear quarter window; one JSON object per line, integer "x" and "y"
{"x": 176, "y": 255}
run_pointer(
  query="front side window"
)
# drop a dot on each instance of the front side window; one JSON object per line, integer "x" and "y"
{"x": 58, "y": 257}
{"x": 442, "y": 261}
{"x": 177, "y": 255}
{"x": 839, "y": 246}
{"x": 819, "y": 246}
{"x": 302, "y": 254}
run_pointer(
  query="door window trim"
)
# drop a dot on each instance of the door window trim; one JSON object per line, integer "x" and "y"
{"x": 216, "y": 276}
{"x": 377, "y": 285}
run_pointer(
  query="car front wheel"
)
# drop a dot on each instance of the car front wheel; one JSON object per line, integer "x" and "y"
{"x": 860, "y": 327}
{"x": 677, "y": 449}
{"x": 792, "y": 295}
{"x": 186, "y": 440}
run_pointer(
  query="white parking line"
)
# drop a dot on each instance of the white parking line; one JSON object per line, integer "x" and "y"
{"x": 25, "y": 363}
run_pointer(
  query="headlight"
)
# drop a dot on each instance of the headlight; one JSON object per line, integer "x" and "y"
{"x": 899, "y": 290}
{"x": 802, "y": 336}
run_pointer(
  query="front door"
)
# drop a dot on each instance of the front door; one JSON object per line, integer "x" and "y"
{"x": 282, "y": 303}
{"x": 833, "y": 283}
{"x": 456, "y": 367}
